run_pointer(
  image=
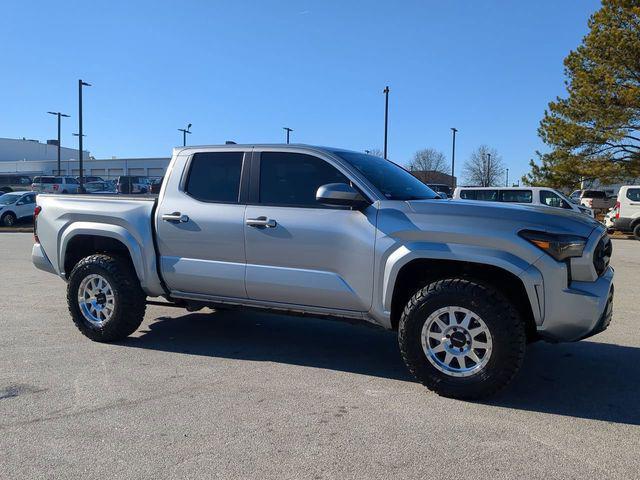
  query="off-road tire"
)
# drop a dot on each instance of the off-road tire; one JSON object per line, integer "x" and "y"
{"x": 502, "y": 319}
{"x": 9, "y": 219}
{"x": 130, "y": 299}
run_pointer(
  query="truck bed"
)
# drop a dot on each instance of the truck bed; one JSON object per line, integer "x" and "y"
{"x": 67, "y": 222}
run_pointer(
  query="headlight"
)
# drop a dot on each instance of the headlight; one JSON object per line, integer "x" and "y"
{"x": 558, "y": 246}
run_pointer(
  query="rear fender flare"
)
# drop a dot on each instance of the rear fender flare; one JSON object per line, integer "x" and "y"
{"x": 115, "y": 232}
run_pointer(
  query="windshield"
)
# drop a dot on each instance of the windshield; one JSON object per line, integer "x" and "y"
{"x": 393, "y": 181}
{"x": 9, "y": 198}
{"x": 95, "y": 186}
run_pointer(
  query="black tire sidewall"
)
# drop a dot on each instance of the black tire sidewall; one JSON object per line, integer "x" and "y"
{"x": 129, "y": 299}
{"x": 7, "y": 216}
{"x": 503, "y": 322}
{"x": 636, "y": 232}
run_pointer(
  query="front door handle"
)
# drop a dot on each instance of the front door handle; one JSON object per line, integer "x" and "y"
{"x": 261, "y": 222}
{"x": 176, "y": 217}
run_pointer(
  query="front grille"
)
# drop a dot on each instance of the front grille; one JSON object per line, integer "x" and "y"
{"x": 602, "y": 255}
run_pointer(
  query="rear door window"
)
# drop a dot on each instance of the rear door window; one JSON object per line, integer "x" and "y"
{"x": 487, "y": 195}
{"x": 633, "y": 194}
{"x": 468, "y": 194}
{"x": 215, "y": 176}
{"x": 516, "y": 196}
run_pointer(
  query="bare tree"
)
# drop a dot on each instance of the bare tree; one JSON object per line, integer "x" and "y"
{"x": 376, "y": 152}
{"x": 429, "y": 160}
{"x": 484, "y": 167}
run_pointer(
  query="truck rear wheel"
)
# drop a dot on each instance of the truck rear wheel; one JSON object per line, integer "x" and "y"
{"x": 461, "y": 338}
{"x": 105, "y": 299}
{"x": 636, "y": 231}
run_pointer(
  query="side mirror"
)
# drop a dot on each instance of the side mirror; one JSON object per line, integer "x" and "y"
{"x": 20, "y": 202}
{"x": 341, "y": 194}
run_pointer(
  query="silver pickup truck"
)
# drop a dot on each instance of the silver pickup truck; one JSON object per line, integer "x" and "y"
{"x": 334, "y": 233}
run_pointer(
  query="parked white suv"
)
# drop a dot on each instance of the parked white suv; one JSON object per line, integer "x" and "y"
{"x": 15, "y": 206}
{"x": 539, "y": 196}
{"x": 628, "y": 210}
{"x": 51, "y": 184}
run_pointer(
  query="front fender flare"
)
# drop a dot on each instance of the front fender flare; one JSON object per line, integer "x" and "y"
{"x": 404, "y": 254}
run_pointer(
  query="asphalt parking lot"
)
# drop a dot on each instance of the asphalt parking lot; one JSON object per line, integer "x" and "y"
{"x": 246, "y": 395}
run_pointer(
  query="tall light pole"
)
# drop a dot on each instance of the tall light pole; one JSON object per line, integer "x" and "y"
{"x": 75, "y": 135}
{"x": 488, "y": 170}
{"x": 453, "y": 158}
{"x": 288, "y": 130}
{"x": 506, "y": 184}
{"x": 386, "y": 118}
{"x": 81, "y": 179}
{"x": 58, "y": 114}
{"x": 184, "y": 134}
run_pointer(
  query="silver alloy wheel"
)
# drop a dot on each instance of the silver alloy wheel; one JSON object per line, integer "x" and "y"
{"x": 456, "y": 341}
{"x": 96, "y": 299}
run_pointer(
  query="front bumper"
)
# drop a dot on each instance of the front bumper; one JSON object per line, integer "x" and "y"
{"x": 40, "y": 259}
{"x": 579, "y": 311}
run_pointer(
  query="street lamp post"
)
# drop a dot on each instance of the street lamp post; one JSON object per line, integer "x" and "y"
{"x": 453, "y": 159}
{"x": 80, "y": 155}
{"x": 488, "y": 170}
{"x": 58, "y": 114}
{"x": 506, "y": 184}
{"x": 288, "y": 130}
{"x": 184, "y": 134}
{"x": 386, "y": 118}
{"x": 80, "y": 165}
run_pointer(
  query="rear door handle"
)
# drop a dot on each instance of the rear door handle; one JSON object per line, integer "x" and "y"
{"x": 261, "y": 222}
{"x": 176, "y": 217}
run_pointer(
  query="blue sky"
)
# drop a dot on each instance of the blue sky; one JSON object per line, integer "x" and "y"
{"x": 241, "y": 70}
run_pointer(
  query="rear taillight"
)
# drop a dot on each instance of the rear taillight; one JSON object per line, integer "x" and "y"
{"x": 36, "y": 212}
{"x": 617, "y": 207}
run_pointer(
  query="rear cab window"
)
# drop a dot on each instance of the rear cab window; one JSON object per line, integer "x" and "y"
{"x": 215, "y": 176}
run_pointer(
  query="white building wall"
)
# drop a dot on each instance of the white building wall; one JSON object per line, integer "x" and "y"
{"x": 106, "y": 168}
{"x": 12, "y": 149}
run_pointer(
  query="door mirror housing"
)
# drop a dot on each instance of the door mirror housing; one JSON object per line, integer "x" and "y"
{"x": 342, "y": 195}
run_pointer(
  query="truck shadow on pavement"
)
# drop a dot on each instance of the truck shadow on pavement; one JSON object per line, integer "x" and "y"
{"x": 587, "y": 379}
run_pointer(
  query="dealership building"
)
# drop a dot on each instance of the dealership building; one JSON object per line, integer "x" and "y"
{"x": 31, "y": 157}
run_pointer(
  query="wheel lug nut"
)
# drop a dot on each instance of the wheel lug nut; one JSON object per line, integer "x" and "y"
{"x": 461, "y": 349}
{"x": 448, "y": 336}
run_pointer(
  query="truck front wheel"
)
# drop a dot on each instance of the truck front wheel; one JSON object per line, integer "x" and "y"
{"x": 461, "y": 338}
{"x": 105, "y": 299}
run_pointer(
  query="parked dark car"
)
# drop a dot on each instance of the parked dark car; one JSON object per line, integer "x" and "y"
{"x": 132, "y": 184}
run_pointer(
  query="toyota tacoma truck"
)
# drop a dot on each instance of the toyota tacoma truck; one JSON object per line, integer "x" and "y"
{"x": 334, "y": 233}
